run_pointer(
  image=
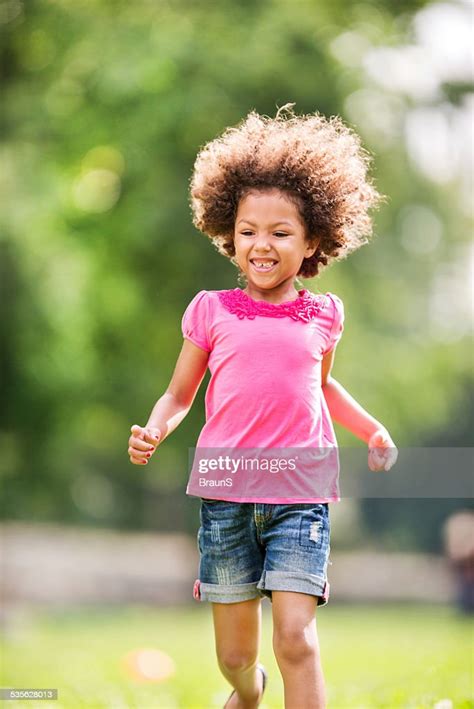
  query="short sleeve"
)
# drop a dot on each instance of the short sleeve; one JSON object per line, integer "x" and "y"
{"x": 195, "y": 321}
{"x": 337, "y": 326}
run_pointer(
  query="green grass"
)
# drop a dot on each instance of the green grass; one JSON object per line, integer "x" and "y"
{"x": 373, "y": 656}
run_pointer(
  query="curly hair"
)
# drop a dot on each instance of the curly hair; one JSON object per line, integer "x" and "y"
{"x": 318, "y": 162}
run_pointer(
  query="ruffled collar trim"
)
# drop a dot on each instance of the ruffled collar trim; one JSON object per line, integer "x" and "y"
{"x": 305, "y": 307}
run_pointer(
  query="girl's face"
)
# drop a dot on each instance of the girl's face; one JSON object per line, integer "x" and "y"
{"x": 270, "y": 243}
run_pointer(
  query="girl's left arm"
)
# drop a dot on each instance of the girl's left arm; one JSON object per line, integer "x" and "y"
{"x": 346, "y": 411}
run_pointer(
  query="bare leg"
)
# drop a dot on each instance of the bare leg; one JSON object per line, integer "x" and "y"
{"x": 296, "y": 647}
{"x": 237, "y": 629}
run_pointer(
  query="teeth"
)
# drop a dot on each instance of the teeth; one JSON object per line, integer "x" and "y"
{"x": 264, "y": 264}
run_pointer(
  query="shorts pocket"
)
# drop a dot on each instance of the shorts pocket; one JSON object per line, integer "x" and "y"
{"x": 199, "y": 537}
{"x": 314, "y": 527}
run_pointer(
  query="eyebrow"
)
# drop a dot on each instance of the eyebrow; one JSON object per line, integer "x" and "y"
{"x": 273, "y": 225}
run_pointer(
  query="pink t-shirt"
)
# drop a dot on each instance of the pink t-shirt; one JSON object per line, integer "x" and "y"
{"x": 265, "y": 386}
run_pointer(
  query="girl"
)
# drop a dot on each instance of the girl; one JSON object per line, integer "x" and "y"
{"x": 281, "y": 198}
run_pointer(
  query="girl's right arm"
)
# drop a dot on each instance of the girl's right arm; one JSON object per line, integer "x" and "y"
{"x": 172, "y": 407}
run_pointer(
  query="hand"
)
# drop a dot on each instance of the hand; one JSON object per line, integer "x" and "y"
{"x": 142, "y": 444}
{"x": 382, "y": 451}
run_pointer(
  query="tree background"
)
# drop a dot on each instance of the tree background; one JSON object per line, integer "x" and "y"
{"x": 105, "y": 105}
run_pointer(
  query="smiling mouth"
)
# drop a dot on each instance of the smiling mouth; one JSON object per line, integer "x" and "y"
{"x": 263, "y": 265}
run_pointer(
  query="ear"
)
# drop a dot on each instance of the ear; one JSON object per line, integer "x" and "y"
{"x": 311, "y": 248}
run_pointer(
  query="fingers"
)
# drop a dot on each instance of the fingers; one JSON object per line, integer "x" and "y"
{"x": 139, "y": 449}
{"x": 392, "y": 455}
{"x": 139, "y": 445}
{"x": 139, "y": 455}
{"x": 382, "y": 451}
{"x": 376, "y": 460}
{"x": 152, "y": 435}
{"x": 138, "y": 461}
{"x": 382, "y": 458}
{"x": 137, "y": 431}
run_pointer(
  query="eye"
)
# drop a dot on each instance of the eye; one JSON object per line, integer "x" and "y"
{"x": 280, "y": 233}
{"x": 246, "y": 233}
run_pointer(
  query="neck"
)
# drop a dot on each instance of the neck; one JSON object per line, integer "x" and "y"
{"x": 282, "y": 293}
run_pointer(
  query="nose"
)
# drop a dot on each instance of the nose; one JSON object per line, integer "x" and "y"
{"x": 262, "y": 243}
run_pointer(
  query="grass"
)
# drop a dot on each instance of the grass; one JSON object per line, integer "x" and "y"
{"x": 391, "y": 656}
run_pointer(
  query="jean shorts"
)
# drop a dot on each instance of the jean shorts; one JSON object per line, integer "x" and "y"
{"x": 247, "y": 550}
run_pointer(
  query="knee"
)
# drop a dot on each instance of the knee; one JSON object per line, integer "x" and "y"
{"x": 235, "y": 661}
{"x": 294, "y": 645}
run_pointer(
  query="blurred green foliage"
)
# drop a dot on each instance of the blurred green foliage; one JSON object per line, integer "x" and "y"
{"x": 105, "y": 107}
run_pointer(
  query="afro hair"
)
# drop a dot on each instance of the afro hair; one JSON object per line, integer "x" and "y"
{"x": 318, "y": 162}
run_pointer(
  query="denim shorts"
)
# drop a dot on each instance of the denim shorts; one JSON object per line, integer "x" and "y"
{"x": 247, "y": 550}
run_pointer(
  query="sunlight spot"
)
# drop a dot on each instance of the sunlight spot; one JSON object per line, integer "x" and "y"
{"x": 96, "y": 191}
{"x": 149, "y": 665}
